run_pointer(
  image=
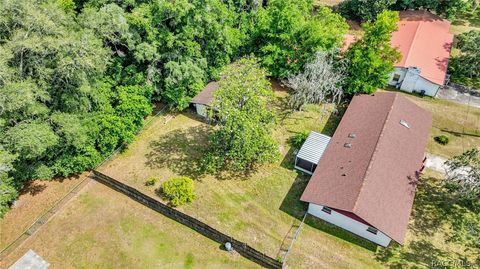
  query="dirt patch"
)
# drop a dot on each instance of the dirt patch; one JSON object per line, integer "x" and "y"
{"x": 36, "y": 198}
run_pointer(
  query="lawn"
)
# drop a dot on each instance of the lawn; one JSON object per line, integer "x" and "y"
{"x": 105, "y": 229}
{"x": 264, "y": 209}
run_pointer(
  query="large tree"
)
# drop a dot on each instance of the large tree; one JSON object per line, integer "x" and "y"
{"x": 60, "y": 112}
{"x": 465, "y": 66}
{"x": 8, "y": 190}
{"x": 364, "y": 10}
{"x": 321, "y": 81}
{"x": 372, "y": 57}
{"x": 243, "y": 138}
{"x": 367, "y": 10}
{"x": 288, "y": 33}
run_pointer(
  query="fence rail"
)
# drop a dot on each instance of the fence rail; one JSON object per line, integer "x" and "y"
{"x": 202, "y": 228}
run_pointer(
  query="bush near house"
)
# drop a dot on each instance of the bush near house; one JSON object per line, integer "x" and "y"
{"x": 298, "y": 139}
{"x": 178, "y": 190}
{"x": 151, "y": 181}
{"x": 442, "y": 139}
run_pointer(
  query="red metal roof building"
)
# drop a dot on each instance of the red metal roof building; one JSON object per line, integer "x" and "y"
{"x": 368, "y": 172}
{"x": 425, "y": 43}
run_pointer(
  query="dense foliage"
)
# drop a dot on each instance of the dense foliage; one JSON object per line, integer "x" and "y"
{"x": 288, "y": 33}
{"x": 178, "y": 190}
{"x": 371, "y": 58}
{"x": 442, "y": 139}
{"x": 60, "y": 111}
{"x": 298, "y": 139}
{"x": 367, "y": 10}
{"x": 242, "y": 105}
{"x": 77, "y": 77}
{"x": 465, "y": 67}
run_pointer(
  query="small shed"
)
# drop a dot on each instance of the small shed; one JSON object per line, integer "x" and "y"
{"x": 311, "y": 152}
{"x": 204, "y": 99}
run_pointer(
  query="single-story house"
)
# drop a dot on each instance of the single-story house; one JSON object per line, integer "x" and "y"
{"x": 312, "y": 150}
{"x": 366, "y": 178}
{"x": 204, "y": 99}
{"x": 424, "y": 42}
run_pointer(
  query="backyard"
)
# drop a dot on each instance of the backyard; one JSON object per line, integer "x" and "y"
{"x": 262, "y": 209}
{"x": 104, "y": 229}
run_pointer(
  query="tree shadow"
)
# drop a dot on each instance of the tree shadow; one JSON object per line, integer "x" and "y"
{"x": 421, "y": 253}
{"x": 292, "y": 205}
{"x": 433, "y": 207}
{"x": 334, "y": 120}
{"x": 33, "y": 188}
{"x": 180, "y": 151}
{"x": 433, "y": 210}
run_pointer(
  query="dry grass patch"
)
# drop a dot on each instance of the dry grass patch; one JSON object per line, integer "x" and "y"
{"x": 35, "y": 199}
{"x": 105, "y": 229}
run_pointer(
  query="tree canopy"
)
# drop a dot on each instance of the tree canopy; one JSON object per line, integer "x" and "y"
{"x": 371, "y": 58}
{"x": 367, "y": 10}
{"x": 321, "y": 81}
{"x": 465, "y": 66}
{"x": 288, "y": 33}
{"x": 242, "y": 105}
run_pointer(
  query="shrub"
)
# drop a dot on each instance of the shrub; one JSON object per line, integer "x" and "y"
{"x": 297, "y": 140}
{"x": 151, "y": 181}
{"x": 178, "y": 190}
{"x": 441, "y": 139}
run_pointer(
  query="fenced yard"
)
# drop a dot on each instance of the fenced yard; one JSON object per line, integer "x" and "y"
{"x": 262, "y": 210}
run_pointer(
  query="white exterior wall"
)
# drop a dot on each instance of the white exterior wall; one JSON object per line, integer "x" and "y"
{"x": 349, "y": 224}
{"x": 201, "y": 110}
{"x": 400, "y": 71}
{"x": 421, "y": 84}
{"x": 411, "y": 80}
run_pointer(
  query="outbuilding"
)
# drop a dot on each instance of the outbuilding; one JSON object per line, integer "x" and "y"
{"x": 425, "y": 43}
{"x": 204, "y": 99}
{"x": 311, "y": 151}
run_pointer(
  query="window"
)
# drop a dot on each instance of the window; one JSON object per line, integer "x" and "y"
{"x": 327, "y": 210}
{"x": 396, "y": 77}
{"x": 372, "y": 230}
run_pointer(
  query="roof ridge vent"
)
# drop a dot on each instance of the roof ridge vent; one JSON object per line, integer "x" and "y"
{"x": 404, "y": 123}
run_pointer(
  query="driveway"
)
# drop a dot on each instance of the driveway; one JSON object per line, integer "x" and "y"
{"x": 449, "y": 93}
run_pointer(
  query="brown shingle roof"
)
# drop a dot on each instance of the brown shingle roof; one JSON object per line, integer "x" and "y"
{"x": 205, "y": 97}
{"x": 373, "y": 178}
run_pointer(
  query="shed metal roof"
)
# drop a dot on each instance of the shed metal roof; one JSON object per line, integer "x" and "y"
{"x": 313, "y": 148}
{"x": 30, "y": 260}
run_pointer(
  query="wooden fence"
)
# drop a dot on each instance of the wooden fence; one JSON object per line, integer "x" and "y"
{"x": 204, "y": 229}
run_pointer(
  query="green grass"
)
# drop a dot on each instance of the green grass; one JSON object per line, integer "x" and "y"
{"x": 262, "y": 209}
{"x": 105, "y": 229}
